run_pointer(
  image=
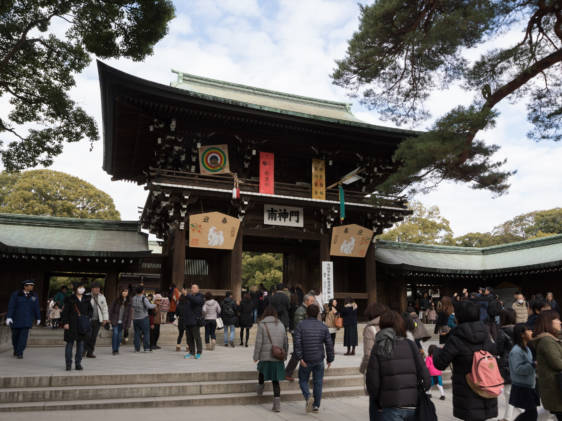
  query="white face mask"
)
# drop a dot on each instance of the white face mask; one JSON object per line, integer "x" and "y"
{"x": 81, "y": 291}
{"x": 520, "y": 301}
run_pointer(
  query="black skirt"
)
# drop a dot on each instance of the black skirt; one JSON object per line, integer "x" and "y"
{"x": 350, "y": 337}
{"x": 524, "y": 397}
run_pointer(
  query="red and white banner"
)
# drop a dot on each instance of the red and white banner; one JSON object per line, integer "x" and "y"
{"x": 267, "y": 173}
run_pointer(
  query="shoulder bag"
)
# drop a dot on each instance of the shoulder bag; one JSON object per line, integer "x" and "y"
{"x": 83, "y": 322}
{"x": 276, "y": 351}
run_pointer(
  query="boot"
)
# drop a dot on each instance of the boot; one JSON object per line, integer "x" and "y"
{"x": 260, "y": 389}
{"x": 232, "y": 344}
{"x": 178, "y": 348}
{"x": 276, "y": 404}
{"x": 213, "y": 343}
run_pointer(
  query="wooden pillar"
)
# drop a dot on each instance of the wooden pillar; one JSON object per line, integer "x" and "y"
{"x": 178, "y": 257}
{"x": 403, "y": 295}
{"x": 236, "y": 267}
{"x": 111, "y": 290}
{"x": 371, "y": 274}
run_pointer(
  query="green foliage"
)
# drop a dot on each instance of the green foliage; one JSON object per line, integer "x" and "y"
{"x": 425, "y": 226}
{"x": 536, "y": 224}
{"x": 46, "y": 192}
{"x": 404, "y": 50}
{"x": 37, "y": 66}
{"x": 266, "y": 268}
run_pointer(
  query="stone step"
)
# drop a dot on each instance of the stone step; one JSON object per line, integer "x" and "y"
{"x": 89, "y": 380}
{"x": 155, "y": 390}
{"x": 171, "y": 401}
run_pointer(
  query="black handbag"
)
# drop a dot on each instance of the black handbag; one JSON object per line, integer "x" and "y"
{"x": 84, "y": 326}
{"x": 425, "y": 408}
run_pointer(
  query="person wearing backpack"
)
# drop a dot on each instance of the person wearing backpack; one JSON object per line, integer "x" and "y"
{"x": 469, "y": 337}
{"x": 229, "y": 318}
{"x": 523, "y": 377}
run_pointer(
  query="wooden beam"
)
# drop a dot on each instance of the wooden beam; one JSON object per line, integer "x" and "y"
{"x": 371, "y": 274}
{"x": 236, "y": 268}
{"x": 178, "y": 256}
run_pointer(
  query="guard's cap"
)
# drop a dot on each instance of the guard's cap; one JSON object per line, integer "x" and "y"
{"x": 28, "y": 282}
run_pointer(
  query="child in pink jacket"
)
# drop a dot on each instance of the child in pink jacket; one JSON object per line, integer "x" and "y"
{"x": 435, "y": 374}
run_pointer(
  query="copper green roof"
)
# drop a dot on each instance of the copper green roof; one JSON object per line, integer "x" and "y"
{"x": 71, "y": 236}
{"x": 544, "y": 252}
{"x": 273, "y": 101}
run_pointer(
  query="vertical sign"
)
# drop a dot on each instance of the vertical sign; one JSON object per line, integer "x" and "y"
{"x": 267, "y": 171}
{"x": 319, "y": 179}
{"x": 327, "y": 281}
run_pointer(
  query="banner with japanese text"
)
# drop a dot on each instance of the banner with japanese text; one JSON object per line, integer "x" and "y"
{"x": 319, "y": 179}
{"x": 267, "y": 173}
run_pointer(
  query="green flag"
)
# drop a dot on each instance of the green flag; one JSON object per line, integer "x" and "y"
{"x": 342, "y": 204}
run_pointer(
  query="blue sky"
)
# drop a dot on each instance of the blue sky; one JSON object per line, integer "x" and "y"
{"x": 291, "y": 46}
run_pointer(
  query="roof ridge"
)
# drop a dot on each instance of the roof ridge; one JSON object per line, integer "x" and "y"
{"x": 67, "y": 222}
{"x": 518, "y": 245}
{"x": 253, "y": 89}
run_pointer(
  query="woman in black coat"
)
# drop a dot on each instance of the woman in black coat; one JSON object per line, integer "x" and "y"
{"x": 469, "y": 336}
{"x": 74, "y": 306}
{"x": 246, "y": 317}
{"x": 350, "y": 336}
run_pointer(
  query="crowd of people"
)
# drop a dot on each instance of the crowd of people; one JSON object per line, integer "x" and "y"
{"x": 519, "y": 342}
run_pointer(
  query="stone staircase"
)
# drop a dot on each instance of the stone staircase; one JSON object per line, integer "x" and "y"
{"x": 114, "y": 391}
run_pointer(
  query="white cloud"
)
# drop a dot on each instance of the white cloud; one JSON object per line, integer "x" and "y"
{"x": 291, "y": 46}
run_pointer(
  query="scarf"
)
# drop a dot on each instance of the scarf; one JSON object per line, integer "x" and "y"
{"x": 384, "y": 342}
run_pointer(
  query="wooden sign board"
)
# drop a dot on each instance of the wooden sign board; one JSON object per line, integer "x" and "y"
{"x": 213, "y": 230}
{"x": 350, "y": 241}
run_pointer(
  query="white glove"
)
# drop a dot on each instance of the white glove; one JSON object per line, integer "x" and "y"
{"x": 38, "y": 322}
{"x": 9, "y": 322}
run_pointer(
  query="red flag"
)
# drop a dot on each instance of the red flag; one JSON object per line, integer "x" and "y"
{"x": 267, "y": 170}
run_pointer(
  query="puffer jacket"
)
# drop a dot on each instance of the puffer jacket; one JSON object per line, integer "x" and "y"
{"x": 393, "y": 381}
{"x": 549, "y": 364}
{"x": 369, "y": 332}
{"x": 211, "y": 309}
{"x": 262, "y": 348}
{"x": 463, "y": 341}
{"x": 311, "y": 336}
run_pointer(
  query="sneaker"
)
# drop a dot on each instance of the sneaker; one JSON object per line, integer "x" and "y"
{"x": 315, "y": 409}
{"x": 442, "y": 398}
{"x": 186, "y": 356}
{"x": 197, "y": 356}
{"x": 309, "y": 404}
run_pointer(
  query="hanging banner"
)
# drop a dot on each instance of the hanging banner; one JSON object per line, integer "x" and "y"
{"x": 319, "y": 179}
{"x": 213, "y": 230}
{"x": 327, "y": 281}
{"x": 213, "y": 159}
{"x": 267, "y": 173}
{"x": 350, "y": 241}
{"x": 342, "y": 203}
{"x": 284, "y": 216}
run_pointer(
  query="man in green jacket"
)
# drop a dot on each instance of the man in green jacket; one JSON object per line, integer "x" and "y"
{"x": 300, "y": 315}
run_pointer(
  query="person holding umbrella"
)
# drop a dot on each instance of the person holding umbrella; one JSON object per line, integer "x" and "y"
{"x": 23, "y": 309}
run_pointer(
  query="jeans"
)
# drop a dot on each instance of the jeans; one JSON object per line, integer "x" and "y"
{"x": 317, "y": 371}
{"x": 90, "y": 342}
{"x": 116, "y": 337}
{"x": 68, "y": 352}
{"x": 194, "y": 339}
{"x": 19, "y": 339}
{"x": 142, "y": 326}
{"x": 255, "y": 314}
{"x": 210, "y": 330}
{"x": 396, "y": 414}
{"x": 232, "y": 330}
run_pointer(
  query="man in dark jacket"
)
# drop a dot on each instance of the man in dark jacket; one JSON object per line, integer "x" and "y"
{"x": 194, "y": 321}
{"x": 280, "y": 301}
{"x": 469, "y": 336}
{"x": 311, "y": 337}
{"x": 23, "y": 310}
{"x": 300, "y": 315}
{"x": 229, "y": 318}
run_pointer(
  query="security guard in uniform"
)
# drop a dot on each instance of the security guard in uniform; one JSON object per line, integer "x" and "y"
{"x": 23, "y": 310}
